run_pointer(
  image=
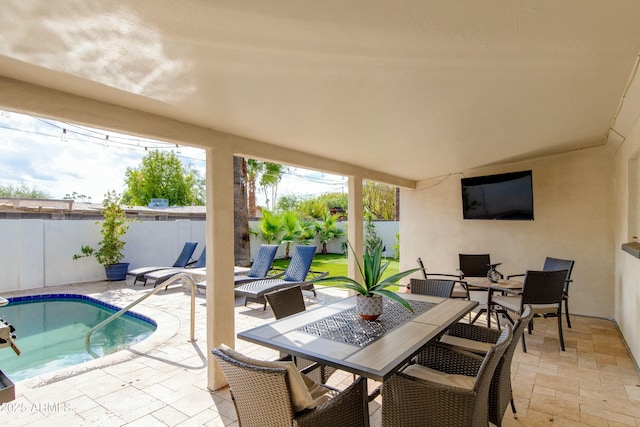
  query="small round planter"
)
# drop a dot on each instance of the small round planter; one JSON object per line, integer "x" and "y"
{"x": 369, "y": 308}
{"x": 116, "y": 272}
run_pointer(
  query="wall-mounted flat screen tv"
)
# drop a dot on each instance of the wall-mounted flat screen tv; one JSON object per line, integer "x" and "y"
{"x": 507, "y": 196}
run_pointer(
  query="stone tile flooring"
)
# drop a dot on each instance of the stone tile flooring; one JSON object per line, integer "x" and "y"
{"x": 162, "y": 381}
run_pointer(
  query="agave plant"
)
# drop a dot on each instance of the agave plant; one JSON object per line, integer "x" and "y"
{"x": 371, "y": 270}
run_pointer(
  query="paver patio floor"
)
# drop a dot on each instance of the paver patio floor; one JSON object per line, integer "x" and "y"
{"x": 162, "y": 381}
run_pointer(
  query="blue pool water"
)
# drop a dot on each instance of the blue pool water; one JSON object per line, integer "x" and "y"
{"x": 51, "y": 332}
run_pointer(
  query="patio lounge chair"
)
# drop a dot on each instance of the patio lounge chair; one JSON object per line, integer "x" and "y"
{"x": 160, "y": 276}
{"x": 183, "y": 259}
{"x": 260, "y": 267}
{"x": 295, "y": 275}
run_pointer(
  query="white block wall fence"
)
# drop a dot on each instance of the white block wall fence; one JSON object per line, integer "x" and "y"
{"x": 39, "y": 252}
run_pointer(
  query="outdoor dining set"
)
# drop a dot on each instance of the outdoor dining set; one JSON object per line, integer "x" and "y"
{"x": 431, "y": 365}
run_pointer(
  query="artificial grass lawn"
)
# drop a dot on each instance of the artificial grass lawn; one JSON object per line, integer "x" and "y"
{"x": 336, "y": 265}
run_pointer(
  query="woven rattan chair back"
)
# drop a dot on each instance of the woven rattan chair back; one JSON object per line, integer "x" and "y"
{"x": 493, "y": 356}
{"x": 300, "y": 263}
{"x": 562, "y": 264}
{"x": 543, "y": 287}
{"x": 474, "y": 265}
{"x": 486, "y": 371}
{"x": 501, "y": 393}
{"x": 261, "y": 395}
{"x": 410, "y": 401}
{"x": 554, "y": 264}
{"x": 262, "y": 398}
{"x": 286, "y": 302}
{"x": 262, "y": 264}
{"x": 432, "y": 287}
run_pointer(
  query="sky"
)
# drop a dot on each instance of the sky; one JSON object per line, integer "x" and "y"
{"x": 63, "y": 158}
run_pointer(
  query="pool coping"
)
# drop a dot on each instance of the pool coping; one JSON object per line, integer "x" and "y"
{"x": 67, "y": 296}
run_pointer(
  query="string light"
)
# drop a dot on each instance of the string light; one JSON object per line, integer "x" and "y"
{"x": 71, "y": 132}
{"x": 81, "y": 134}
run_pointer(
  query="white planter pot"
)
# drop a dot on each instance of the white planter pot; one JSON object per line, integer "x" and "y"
{"x": 369, "y": 308}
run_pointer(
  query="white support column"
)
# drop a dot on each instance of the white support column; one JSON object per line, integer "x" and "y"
{"x": 355, "y": 221}
{"x": 220, "y": 261}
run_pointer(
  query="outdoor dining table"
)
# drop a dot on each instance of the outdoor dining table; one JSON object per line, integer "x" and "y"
{"x": 335, "y": 335}
{"x": 505, "y": 286}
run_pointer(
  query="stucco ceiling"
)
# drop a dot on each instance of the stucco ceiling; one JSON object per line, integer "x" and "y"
{"x": 414, "y": 89}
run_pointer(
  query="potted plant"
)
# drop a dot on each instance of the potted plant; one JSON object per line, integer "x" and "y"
{"x": 373, "y": 288}
{"x": 113, "y": 228}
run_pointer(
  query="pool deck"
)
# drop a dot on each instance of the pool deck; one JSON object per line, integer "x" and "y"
{"x": 162, "y": 380}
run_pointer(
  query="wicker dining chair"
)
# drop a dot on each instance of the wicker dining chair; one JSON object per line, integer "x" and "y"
{"x": 543, "y": 290}
{"x": 459, "y": 287}
{"x": 432, "y": 287}
{"x": 286, "y": 302}
{"x": 475, "y": 265}
{"x": 446, "y": 387}
{"x": 274, "y": 394}
{"x": 551, "y": 264}
{"x": 478, "y": 339}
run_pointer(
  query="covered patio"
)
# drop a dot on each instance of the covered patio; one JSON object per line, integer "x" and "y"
{"x": 161, "y": 381}
{"x": 417, "y": 95}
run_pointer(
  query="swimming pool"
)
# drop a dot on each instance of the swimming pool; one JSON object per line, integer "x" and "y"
{"x": 51, "y": 330}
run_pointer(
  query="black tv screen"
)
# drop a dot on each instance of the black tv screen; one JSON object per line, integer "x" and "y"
{"x": 507, "y": 196}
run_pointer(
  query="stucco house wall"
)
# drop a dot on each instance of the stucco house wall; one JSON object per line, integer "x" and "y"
{"x": 627, "y": 274}
{"x": 573, "y": 204}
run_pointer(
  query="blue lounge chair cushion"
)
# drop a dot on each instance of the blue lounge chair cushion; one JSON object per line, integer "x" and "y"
{"x": 182, "y": 260}
{"x": 300, "y": 265}
{"x": 262, "y": 264}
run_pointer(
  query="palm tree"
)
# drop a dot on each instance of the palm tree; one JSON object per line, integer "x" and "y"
{"x": 328, "y": 230}
{"x": 292, "y": 230}
{"x": 308, "y": 226}
{"x": 254, "y": 169}
{"x": 271, "y": 176}
{"x": 271, "y": 227}
{"x": 242, "y": 246}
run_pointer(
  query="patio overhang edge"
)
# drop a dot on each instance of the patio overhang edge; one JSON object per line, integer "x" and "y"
{"x": 28, "y": 98}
